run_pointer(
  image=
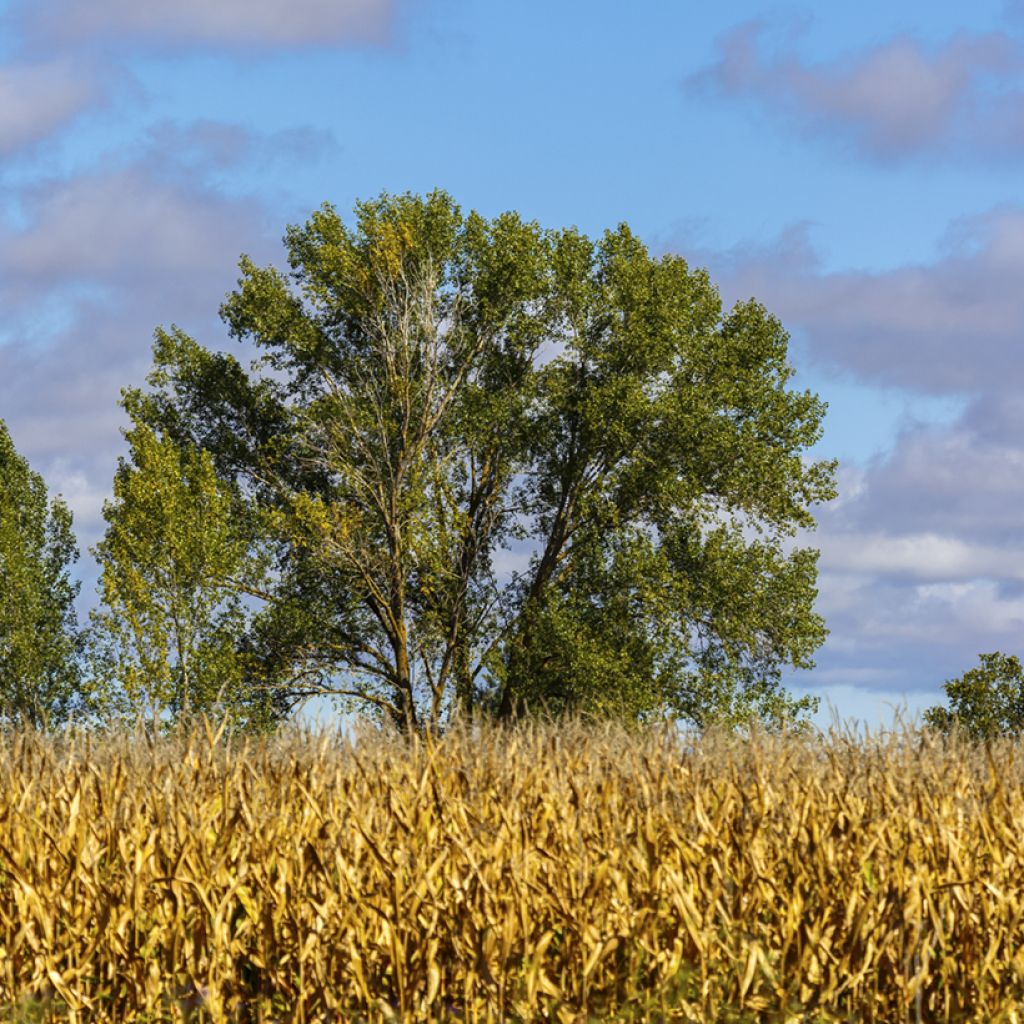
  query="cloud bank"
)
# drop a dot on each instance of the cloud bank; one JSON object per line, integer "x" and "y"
{"x": 951, "y": 326}
{"x": 66, "y": 53}
{"x": 896, "y": 100}
{"x": 37, "y": 99}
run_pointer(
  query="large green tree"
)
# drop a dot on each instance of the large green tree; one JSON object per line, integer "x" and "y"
{"x": 39, "y": 638}
{"x": 504, "y": 468}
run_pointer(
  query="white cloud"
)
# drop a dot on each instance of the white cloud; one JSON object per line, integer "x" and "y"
{"x": 164, "y": 23}
{"x": 950, "y": 326}
{"x": 37, "y": 99}
{"x": 926, "y": 556}
{"x": 976, "y": 605}
{"x": 115, "y": 227}
{"x": 893, "y": 100}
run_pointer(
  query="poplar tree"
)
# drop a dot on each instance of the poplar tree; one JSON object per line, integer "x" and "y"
{"x": 40, "y": 643}
{"x": 167, "y": 638}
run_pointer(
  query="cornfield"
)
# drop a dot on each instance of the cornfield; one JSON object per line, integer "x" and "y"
{"x": 563, "y": 873}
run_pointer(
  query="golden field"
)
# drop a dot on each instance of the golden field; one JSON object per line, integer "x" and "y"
{"x": 547, "y": 873}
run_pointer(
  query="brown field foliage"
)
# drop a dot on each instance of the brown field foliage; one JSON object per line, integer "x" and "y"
{"x": 548, "y": 873}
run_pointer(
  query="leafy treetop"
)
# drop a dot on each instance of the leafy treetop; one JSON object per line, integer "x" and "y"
{"x": 495, "y": 468}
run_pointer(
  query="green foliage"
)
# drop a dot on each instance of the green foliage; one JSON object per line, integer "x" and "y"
{"x": 39, "y": 638}
{"x": 985, "y": 702}
{"x": 175, "y": 556}
{"x": 434, "y": 389}
{"x": 666, "y": 437}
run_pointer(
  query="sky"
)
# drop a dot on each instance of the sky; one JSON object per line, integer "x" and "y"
{"x": 856, "y": 168}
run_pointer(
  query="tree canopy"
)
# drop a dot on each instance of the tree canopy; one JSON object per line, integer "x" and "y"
{"x": 39, "y": 638}
{"x": 493, "y": 468}
{"x": 987, "y": 701}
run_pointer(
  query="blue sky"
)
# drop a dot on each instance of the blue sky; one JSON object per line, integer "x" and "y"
{"x": 856, "y": 168}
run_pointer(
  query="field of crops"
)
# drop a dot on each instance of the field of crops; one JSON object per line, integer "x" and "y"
{"x": 544, "y": 874}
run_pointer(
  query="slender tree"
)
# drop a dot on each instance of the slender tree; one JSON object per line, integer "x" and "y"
{"x": 167, "y": 638}
{"x": 440, "y": 396}
{"x": 40, "y": 642}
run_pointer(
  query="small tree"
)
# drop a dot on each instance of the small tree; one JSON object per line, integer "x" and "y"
{"x": 167, "y": 641}
{"x": 986, "y": 702}
{"x": 39, "y": 637}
